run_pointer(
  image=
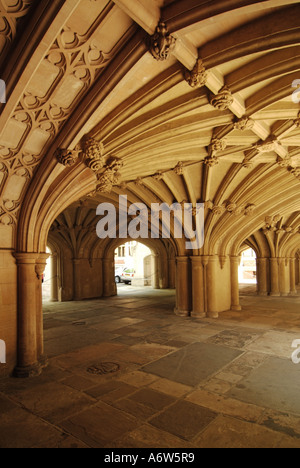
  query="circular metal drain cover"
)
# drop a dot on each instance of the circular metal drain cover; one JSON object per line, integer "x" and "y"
{"x": 104, "y": 368}
{"x": 78, "y": 324}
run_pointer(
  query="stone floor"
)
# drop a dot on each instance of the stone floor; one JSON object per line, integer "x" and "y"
{"x": 175, "y": 382}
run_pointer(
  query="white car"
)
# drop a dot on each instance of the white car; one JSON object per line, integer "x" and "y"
{"x": 127, "y": 275}
{"x": 118, "y": 274}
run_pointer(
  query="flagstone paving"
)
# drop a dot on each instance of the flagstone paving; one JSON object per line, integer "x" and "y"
{"x": 175, "y": 382}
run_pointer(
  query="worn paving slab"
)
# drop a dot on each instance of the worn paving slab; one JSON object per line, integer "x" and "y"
{"x": 21, "y": 429}
{"x": 184, "y": 419}
{"x": 226, "y": 432}
{"x": 275, "y": 384}
{"x": 100, "y": 425}
{"x": 193, "y": 364}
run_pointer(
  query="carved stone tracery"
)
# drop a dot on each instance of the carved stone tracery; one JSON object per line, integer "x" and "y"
{"x": 11, "y": 14}
{"x": 72, "y": 59}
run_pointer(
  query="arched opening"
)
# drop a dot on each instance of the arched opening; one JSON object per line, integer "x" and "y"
{"x": 141, "y": 264}
{"x": 248, "y": 272}
{"x": 47, "y": 280}
{"x": 135, "y": 265}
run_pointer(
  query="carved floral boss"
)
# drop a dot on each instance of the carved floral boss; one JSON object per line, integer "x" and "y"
{"x": 107, "y": 172}
{"x": 161, "y": 43}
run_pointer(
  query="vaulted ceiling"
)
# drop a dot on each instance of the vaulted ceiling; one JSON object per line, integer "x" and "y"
{"x": 103, "y": 99}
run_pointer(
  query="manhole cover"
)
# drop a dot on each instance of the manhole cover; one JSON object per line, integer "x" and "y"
{"x": 104, "y": 368}
{"x": 78, "y": 324}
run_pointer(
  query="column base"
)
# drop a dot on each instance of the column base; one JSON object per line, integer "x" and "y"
{"x": 294, "y": 293}
{"x": 182, "y": 313}
{"x": 262, "y": 294}
{"x": 28, "y": 372}
{"x": 212, "y": 315}
{"x": 236, "y": 308}
{"x": 106, "y": 295}
{"x": 31, "y": 371}
{"x": 272, "y": 294}
{"x": 198, "y": 315}
{"x": 43, "y": 361}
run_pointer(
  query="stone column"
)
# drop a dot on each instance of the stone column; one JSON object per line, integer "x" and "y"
{"x": 197, "y": 288}
{"x": 235, "y": 292}
{"x": 211, "y": 286}
{"x": 298, "y": 271}
{"x": 282, "y": 277}
{"x": 262, "y": 277}
{"x": 274, "y": 273}
{"x": 156, "y": 272}
{"x": 39, "y": 269}
{"x": 172, "y": 274}
{"x": 183, "y": 299}
{"x": 54, "y": 278}
{"x": 76, "y": 283}
{"x": 164, "y": 273}
{"x": 27, "y": 365}
{"x": 293, "y": 276}
{"x": 109, "y": 284}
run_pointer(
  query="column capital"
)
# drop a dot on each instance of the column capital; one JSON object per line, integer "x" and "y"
{"x": 261, "y": 259}
{"x": 26, "y": 257}
{"x": 108, "y": 260}
{"x": 182, "y": 259}
{"x": 41, "y": 263}
{"x": 77, "y": 261}
{"x": 235, "y": 258}
{"x": 274, "y": 259}
{"x": 197, "y": 260}
{"x": 205, "y": 259}
{"x": 213, "y": 258}
{"x": 43, "y": 257}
